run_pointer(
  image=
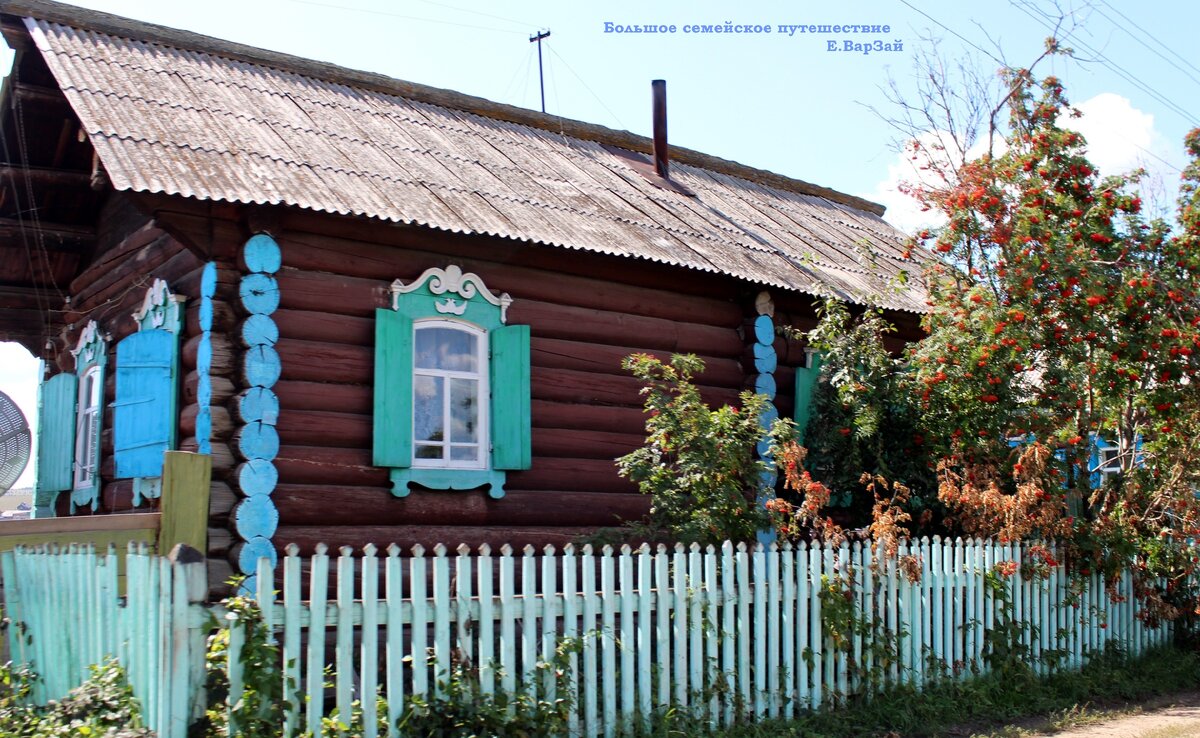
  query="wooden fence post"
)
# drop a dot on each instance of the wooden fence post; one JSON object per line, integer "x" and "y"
{"x": 186, "y": 478}
{"x": 188, "y": 635}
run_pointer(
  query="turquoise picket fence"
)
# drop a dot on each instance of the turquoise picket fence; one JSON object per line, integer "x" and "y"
{"x": 725, "y": 633}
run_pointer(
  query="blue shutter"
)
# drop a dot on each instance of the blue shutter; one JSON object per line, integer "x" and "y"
{"x": 393, "y": 389}
{"x": 511, "y": 446}
{"x": 144, "y": 424}
{"x": 56, "y": 438}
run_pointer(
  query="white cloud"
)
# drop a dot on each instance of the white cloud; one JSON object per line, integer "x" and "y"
{"x": 19, "y": 373}
{"x": 1119, "y": 136}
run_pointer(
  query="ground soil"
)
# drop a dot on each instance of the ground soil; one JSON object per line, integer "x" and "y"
{"x": 1170, "y": 716}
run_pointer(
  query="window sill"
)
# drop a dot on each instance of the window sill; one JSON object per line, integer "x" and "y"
{"x": 448, "y": 479}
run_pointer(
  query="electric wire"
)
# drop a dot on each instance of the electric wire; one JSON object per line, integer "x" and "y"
{"x": 586, "y": 87}
{"x": 1149, "y": 35}
{"x": 1033, "y": 12}
{"x": 388, "y": 14}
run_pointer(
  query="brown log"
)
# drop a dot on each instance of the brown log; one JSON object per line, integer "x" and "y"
{"x": 224, "y": 360}
{"x": 580, "y": 475}
{"x": 222, "y": 423}
{"x": 314, "y": 428}
{"x": 329, "y": 327}
{"x": 228, "y": 278}
{"x": 586, "y": 388}
{"x": 211, "y": 228}
{"x": 129, "y": 247}
{"x": 589, "y": 357}
{"x": 447, "y": 246}
{"x": 316, "y": 465}
{"x": 219, "y": 540}
{"x": 587, "y": 325}
{"x": 329, "y": 362}
{"x": 117, "y": 496}
{"x": 313, "y": 252}
{"x": 350, "y": 398}
{"x": 219, "y": 573}
{"x": 583, "y": 444}
{"x": 223, "y": 460}
{"x": 222, "y": 388}
{"x": 625, "y": 420}
{"x": 224, "y": 317}
{"x": 407, "y": 536}
{"x": 221, "y": 500}
{"x": 330, "y": 293}
{"x": 164, "y": 259}
{"x": 319, "y": 505}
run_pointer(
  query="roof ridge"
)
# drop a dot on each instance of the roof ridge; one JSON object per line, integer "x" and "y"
{"x": 115, "y": 25}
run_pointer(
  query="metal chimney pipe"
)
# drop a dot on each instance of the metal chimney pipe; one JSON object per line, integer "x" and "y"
{"x": 659, "y": 91}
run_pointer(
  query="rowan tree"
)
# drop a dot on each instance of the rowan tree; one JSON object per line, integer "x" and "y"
{"x": 1061, "y": 319}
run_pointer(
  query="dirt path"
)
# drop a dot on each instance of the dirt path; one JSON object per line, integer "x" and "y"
{"x": 1177, "y": 716}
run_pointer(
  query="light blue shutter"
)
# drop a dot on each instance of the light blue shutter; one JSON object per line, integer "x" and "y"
{"x": 393, "y": 389}
{"x": 56, "y": 437}
{"x": 144, "y": 424}
{"x": 511, "y": 444}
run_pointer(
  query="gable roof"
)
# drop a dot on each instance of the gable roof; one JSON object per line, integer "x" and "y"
{"x": 176, "y": 113}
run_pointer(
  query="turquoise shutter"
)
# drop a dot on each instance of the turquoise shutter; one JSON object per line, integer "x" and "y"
{"x": 511, "y": 447}
{"x": 56, "y": 437}
{"x": 806, "y": 385}
{"x": 393, "y": 389}
{"x": 144, "y": 424}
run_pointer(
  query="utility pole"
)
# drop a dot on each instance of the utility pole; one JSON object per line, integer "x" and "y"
{"x": 541, "y": 80}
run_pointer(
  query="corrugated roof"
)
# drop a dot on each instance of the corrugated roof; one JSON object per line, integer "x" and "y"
{"x": 186, "y": 120}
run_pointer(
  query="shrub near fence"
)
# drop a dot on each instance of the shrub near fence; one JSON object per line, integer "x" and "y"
{"x": 725, "y": 634}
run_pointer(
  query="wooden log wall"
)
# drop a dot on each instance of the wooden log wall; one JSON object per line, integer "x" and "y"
{"x": 132, "y": 252}
{"x": 585, "y": 314}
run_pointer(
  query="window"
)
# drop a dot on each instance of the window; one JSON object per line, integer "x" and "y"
{"x": 70, "y": 418}
{"x": 451, "y": 399}
{"x": 87, "y": 428}
{"x": 145, "y": 412}
{"x": 449, "y": 379}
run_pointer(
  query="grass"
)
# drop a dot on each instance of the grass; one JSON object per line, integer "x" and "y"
{"x": 992, "y": 706}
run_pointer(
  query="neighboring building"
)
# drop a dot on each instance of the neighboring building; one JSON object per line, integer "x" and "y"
{"x": 391, "y": 313}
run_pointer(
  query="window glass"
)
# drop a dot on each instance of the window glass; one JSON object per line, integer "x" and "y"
{"x": 449, "y": 376}
{"x": 87, "y": 426}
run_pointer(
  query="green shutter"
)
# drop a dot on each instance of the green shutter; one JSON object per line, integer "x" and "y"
{"x": 511, "y": 448}
{"x": 393, "y": 389}
{"x": 806, "y": 385}
{"x": 56, "y": 437}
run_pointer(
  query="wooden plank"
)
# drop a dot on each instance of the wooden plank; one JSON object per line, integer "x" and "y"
{"x": 186, "y": 482}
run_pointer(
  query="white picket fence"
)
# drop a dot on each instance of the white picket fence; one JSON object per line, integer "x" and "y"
{"x": 724, "y": 633}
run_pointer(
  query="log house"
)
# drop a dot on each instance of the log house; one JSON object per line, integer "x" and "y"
{"x": 390, "y": 313}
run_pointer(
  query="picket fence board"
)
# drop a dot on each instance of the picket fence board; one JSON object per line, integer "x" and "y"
{"x": 723, "y": 633}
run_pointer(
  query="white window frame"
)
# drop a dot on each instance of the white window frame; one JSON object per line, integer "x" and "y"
{"x": 87, "y": 427}
{"x": 481, "y": 375}
{"x": 1106, "y": 466}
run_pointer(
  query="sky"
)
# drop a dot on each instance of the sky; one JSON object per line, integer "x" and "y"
{"x": 799, "y": 104}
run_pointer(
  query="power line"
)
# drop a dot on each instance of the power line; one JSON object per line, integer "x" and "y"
{"x": 523, "y": 24}
{"x": 1150, "y": 36}
{"x": 368, "y": 11}
{"x": 970, "y": 43}
{"x": 956, "y": 34}
{"x": 1157, "y": 53}
{"x": 585, "y": 85}
{"x": 1026, "y": 7}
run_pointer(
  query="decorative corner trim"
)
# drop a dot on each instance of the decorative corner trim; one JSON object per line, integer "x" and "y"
{"x": 452, "y": 279}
